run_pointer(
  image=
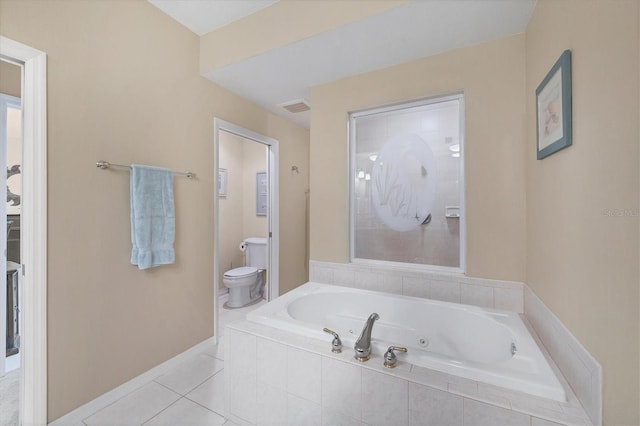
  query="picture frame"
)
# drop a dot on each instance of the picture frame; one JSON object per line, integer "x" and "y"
{"x": 222, "y": 183}
{"x": 553, "y": 108}
{"x": 262, "y": 193}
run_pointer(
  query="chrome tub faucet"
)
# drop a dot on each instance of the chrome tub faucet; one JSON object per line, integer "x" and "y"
{"x": 363, "y": 344}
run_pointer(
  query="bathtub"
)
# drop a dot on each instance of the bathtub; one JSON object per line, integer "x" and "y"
{"x": 485, "y": 345}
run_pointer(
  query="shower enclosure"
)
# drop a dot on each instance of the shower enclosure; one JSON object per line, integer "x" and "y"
{"x": 407, "y": 183}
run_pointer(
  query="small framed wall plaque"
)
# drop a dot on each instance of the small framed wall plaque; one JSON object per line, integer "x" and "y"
{"x": 262, "y": 193}
{"x": 222, "y": 182}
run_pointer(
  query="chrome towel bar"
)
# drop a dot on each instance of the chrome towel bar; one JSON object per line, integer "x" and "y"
{"x": 104, "y": 165}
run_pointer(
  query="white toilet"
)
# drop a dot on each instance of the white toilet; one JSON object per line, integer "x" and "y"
{"x": 245, "y": 283}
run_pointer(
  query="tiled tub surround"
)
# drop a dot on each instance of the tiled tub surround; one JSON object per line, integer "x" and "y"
{"x": 275, "y": 377}
{"x": 447, "y": 287}
{"x": 482, "y": 344}
{"x": 580, "y": 369}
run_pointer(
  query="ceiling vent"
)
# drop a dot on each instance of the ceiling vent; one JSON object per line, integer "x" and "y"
{"x": 295, "y": 107}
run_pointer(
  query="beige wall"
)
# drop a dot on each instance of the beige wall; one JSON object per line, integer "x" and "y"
{"x": 107, "y": 101}
{"x": 123, "y": 86}
{"x": 230, "y": 226}
{"x": 582, "y": 258}
{"x": 10, "y": 79}
{"x": 293, "y": 210}
{"x": 491, "y": 75}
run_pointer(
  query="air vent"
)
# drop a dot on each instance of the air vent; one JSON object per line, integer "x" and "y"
{"x": 296, "y": 106}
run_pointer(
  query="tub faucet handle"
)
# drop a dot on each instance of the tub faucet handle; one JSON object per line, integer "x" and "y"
{"x": 390, "y": 358}
{"x": 336, "y": 344}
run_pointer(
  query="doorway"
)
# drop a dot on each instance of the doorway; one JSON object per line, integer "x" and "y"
{"x": 10, "y": 190}
{"x": 266, "y": 204}
{"x": 33, "y": 230}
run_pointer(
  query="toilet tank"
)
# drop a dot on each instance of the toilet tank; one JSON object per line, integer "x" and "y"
{"x": 256, "y": 252}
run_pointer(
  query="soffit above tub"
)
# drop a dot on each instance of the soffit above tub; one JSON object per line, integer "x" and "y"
{"x": 408, "y": 32}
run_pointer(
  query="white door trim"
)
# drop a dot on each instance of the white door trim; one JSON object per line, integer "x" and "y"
{"x": 273, "y": 215}
{"x": 33, "y": 229}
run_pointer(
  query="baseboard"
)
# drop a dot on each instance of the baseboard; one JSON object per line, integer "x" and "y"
{"x": 79, "y": 414}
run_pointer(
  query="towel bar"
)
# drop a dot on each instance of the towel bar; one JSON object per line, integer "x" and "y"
{"x": 104, "y": 165}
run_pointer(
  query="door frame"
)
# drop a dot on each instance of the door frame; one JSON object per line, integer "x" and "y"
{"x": 33, "y": 229}
{"x": 273, "y": 242}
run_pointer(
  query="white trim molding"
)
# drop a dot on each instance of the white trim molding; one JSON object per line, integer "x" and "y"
{"x": 33, "y": 395}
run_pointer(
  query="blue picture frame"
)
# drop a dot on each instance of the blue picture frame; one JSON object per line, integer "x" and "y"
{"x": 553, "y": 108}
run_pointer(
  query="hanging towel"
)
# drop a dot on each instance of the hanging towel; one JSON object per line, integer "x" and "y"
{"x": 152, "y": 216}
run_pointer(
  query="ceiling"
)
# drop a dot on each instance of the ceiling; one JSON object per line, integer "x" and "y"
{"x": 204, "y": 16}
{"x": 416, "y": 30}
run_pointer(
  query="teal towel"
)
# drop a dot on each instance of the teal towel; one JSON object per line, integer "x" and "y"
{"x": 152, "y": 216}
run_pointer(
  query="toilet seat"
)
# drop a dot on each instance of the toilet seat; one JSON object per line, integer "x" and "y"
{"x": 241, "y": 272}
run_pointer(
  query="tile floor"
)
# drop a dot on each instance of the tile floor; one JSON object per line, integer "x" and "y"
{"x": 191, "y": 394}
{"x": 10, "y": 387}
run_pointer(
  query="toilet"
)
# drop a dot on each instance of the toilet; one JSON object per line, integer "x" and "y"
{"x": 245, "y": 283}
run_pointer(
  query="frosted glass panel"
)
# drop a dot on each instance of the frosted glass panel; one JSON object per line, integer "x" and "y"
{"x": 406, "y": 189}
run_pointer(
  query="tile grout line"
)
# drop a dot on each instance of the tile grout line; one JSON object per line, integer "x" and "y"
{"x": 172, "y": 390}
{"x": 118, "y": 400}
{"x": 155, "y": 381}
{"x": 206, "y": 408}
{"x": 161, "y": 411}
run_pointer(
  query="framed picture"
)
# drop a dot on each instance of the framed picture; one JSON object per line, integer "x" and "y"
{"x": 553, "y": 99}
{"x": 262, "y": 194}
{"x": 222, "y": 182}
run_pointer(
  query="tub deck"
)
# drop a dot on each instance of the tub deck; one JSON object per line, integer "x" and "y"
{"x": 288, "y": 369}
{"x": 466, "y": 341}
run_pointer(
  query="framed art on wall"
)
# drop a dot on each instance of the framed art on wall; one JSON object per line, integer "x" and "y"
{"x": 222, "y": 182}
{"x": 553, "y": 106}
{"x": 262, "y": 194}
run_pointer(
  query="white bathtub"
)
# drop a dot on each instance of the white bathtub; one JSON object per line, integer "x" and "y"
{"x": 468, "y": 341}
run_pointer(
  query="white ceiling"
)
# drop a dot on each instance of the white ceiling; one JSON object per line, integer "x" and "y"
{"x": 419, "y": 29}
{"x": 204, "y": 16}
